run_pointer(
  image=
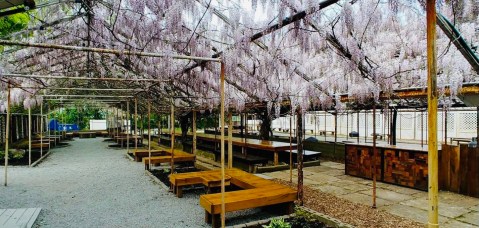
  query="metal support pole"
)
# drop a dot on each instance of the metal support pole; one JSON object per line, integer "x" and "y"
{"x": 222, "y": 144}
{"x": 357, "y": 126}
{"x": 128, "y": 127}
{"x": 7, "y": 134}
{"x": 29, "y": 136}
{"x": 172, "y": 135}
{"x": 291, "y": 117}
{"x": 432, "y": 96}
{"x": 230, "y": 140}
{"x": 41, "y": 130}
{"x": 149, "y": 135}
{"x": 193, "y": 150}
{"x": 136, "y": 124}
{"x": 374, "y": 155}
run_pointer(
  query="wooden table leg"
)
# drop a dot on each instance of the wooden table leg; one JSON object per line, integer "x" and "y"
{"x": 207, "y": 217}
{"x": 179, "y": 191}
{"x": 276, "y": 162}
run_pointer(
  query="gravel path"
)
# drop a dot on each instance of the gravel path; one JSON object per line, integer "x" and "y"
{"x": 89, "y": 185}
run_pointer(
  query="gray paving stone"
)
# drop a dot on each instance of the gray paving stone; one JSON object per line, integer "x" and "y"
{"x": 338, "y": 191}
{"x": 472, "y": 218}
{"x": 456, "y": 224}
{"x": 366, "y": 200}
{"x": 445, "y": 209}
{"x": 412, "y": 213}
{"x": 319, "y": 169}
{"x": 388, "y": 195}
{"x": 475, "y": 208}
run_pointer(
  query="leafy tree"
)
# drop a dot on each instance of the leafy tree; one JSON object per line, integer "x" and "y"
{"x": 13, "y": 23}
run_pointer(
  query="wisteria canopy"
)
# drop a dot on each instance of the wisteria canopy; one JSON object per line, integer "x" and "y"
{"x": 359, "y": 48}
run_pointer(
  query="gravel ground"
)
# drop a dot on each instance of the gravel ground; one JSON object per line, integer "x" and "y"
{"x": 89, "y": 185}
{"x": 352, "y": 213}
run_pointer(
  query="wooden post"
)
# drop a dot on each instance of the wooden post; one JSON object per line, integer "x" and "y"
{"x": 222, "y": 144}
{"x": 373, "y": 163}
{"x": 128, "y": 126}
{"x": 136, "y": 124}
{"x": 149, "y": 135}
{"x": 30, "y": 136}
{"x": 193, "y": 149}
{"x": 230, "y": 140}
{"x": 172, "y": 135}
{"x": 291, "y": 117}
{"x": 7, "y": 133}
{"x": 432, "y": 114}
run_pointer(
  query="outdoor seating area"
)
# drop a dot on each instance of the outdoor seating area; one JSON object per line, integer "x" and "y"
{"x": 239, "y": 113}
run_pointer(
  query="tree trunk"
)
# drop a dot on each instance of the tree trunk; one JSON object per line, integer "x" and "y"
{"x": 265, "y": 131}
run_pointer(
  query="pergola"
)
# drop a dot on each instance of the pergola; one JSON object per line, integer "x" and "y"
{"x": 159, "y": 58}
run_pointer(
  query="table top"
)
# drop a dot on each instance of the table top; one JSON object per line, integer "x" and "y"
{"x": 250, "y": 143}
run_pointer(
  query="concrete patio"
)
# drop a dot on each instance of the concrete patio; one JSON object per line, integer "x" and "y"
{"x": 455, "y": 210}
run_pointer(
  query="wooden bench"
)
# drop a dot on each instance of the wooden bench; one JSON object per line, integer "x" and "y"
{"x": 209, "y": 179}
{"x": 139, "y": 154}
{"x": 180, "y": 156}
{"x": 257, "y": 192}
{"x": 323, "y": 132}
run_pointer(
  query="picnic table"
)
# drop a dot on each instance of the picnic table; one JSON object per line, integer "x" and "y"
{"x": 459, "y": 140}
{"x": 245, "y": 144}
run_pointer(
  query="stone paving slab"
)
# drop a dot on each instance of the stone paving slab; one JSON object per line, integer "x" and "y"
{"x": 318, "y": 169}
{"x": 472, "y": 218}
{"x": 366, "y": 200}
{"x": 337, "y": 191}
{"x": 388, "y": 195}
{"x": 412, "y": 213}
{"x": 444, "y": 208}
{"x": 456, "y": 224}
{"x": 350, "y": 185}
{"x": 320, "y": 177}
{"x": 475, "y": 208}
{"x": 455, "y": 210}
{"x": 457, "y": 199}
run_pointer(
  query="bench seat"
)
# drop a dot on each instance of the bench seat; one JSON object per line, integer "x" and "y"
{"x": 139, "y": 154}
{"x": 209, "y": 179}
{"x": 246, "y": 199}
{"x": 155, "y": 160}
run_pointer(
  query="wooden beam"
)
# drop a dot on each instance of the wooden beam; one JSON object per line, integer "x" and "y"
{"x": 103, "y": 50}
{"x": 432, "y": 97}
{"x": 222, "y": 144}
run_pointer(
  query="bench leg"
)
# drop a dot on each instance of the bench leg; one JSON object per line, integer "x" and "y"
{"x": 179, "y": 191}
{"x": 215, "y": 221}
{"x": 207, "y": 217}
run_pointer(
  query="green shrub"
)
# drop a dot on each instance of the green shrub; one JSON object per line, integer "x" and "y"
{"x": 278, "y": 223}
{"x": 13, "y": 154}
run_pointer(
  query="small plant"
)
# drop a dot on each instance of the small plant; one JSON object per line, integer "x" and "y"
{"x": 166, "y": 170}
{"x": 17, "y": 154}
{"x": 278, "y": 223}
